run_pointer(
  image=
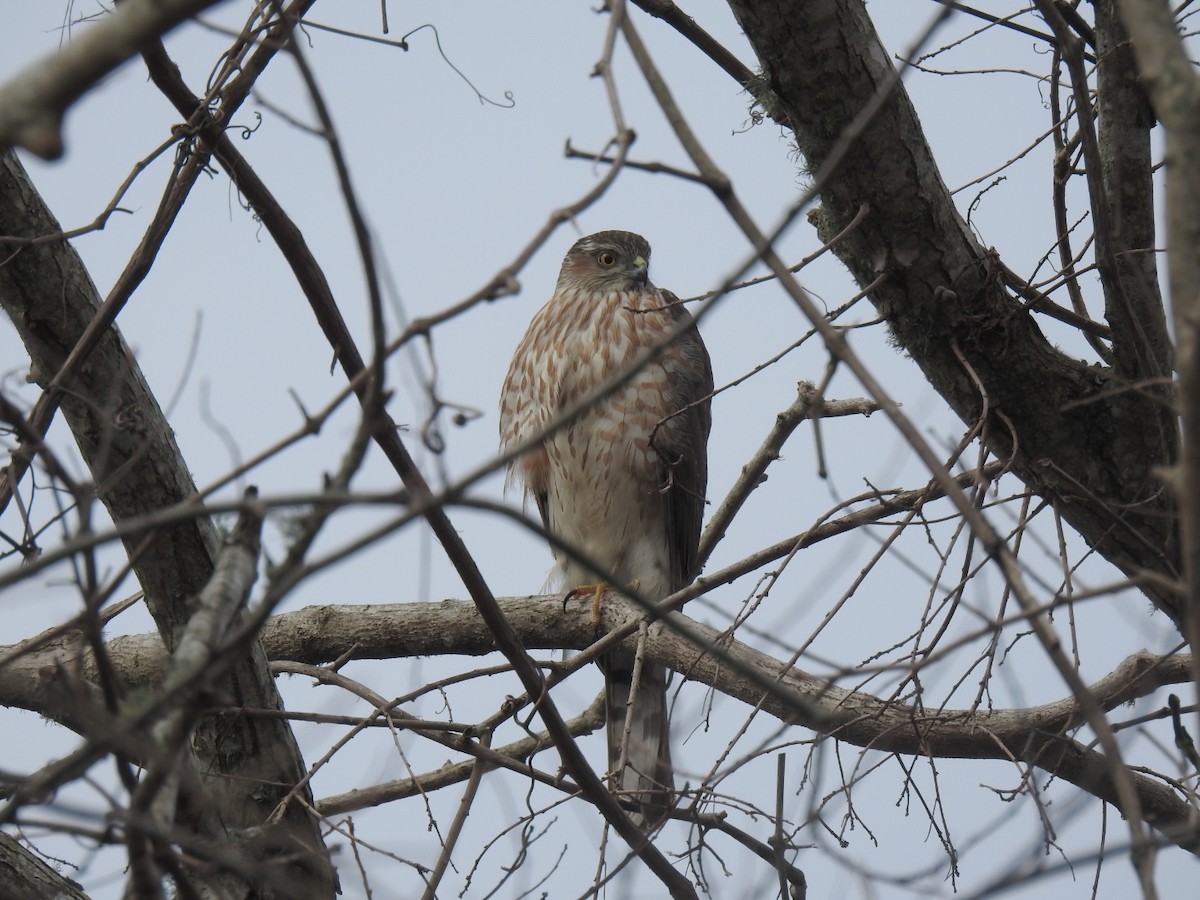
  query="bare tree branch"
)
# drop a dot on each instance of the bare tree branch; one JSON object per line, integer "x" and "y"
{"x": 137, "y": 467}
{"x": 805, "y": 678}
{"x": 943, "y": 287}
{"x": 33, "y": 103}
{"x": 1175, "y": 91}
{"x": 154, "y": 799}
{"x": 1037, "y": 735}
{"x": 27, "y": 877}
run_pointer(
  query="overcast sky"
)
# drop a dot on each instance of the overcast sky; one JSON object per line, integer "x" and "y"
{"x": 453, "y": 188}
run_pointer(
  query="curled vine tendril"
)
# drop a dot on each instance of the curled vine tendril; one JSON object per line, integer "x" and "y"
{"x": 508, "y": 103}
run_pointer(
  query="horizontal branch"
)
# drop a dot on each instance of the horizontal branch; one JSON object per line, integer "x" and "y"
{"x": 321, "y": 634}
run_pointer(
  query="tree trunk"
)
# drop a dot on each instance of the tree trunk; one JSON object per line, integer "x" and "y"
{"x": 137, "y": 468}
{"x": 1088, "y": 437}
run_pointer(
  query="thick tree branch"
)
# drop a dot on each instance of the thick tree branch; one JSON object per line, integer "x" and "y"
{"x": 137, "y": 467}
{"x": 1133, "y": 300}
{"x": 33, "y": 102}
{"x": 1174, "y": 88}
{"x": 1038, "y": 735}
{"x": 1141, "y": 346}
{"x": 153, "y": 804}
{"x": 824, "y": 64}
{"x": 29, "y": 878}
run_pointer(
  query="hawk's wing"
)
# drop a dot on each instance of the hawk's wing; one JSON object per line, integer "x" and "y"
{"x": 684, "y": 451}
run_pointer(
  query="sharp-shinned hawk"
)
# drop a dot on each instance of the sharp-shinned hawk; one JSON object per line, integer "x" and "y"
{"x": 624, "y": 481}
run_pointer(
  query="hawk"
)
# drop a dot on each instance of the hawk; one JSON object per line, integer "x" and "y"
{"x": 623, "y": 482}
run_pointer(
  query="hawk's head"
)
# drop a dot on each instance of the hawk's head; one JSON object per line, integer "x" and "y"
{"x": 607, "y": 260}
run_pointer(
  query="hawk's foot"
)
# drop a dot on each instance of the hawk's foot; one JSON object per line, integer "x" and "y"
{"x": 597, "y": 591}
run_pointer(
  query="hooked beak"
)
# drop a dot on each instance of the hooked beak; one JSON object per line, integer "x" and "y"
{"x": 640, "y": 270}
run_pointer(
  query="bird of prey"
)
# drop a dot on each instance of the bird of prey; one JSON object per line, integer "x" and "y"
{"x": 623, "y": 482}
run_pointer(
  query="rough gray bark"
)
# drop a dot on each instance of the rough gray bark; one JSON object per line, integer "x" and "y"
{"x": 1132, "y": 295}
{"x": 137, "y": 468}
{"x": 1079, "y": 435}
{"x": 1174, "y": 85}
{"x": 25, "y": 877}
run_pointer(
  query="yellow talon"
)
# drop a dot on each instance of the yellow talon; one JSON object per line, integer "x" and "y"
{"x": 597, "y": 591}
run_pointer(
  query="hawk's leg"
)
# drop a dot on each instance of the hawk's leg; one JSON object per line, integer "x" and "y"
{"x": 597, "y": 591}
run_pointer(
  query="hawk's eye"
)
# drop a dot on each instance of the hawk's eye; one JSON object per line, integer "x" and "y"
{"x": 606, "y": 258}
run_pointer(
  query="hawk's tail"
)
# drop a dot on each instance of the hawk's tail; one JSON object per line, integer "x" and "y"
{"x": 646, "y": 781}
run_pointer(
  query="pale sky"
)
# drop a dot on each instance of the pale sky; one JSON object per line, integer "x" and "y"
{"x": 453, "y": 188}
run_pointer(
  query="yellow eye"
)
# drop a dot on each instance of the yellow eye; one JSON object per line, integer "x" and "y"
{"x": 606, "y": 258}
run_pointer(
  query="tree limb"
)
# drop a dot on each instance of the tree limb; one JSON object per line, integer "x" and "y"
{"x": 1174, "y": 88}
{"x": 1037, "y": 735}
{"x": 137, "y": 467}
{"x": 34, "y": 101}
{"x": 1078, "y": 441}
